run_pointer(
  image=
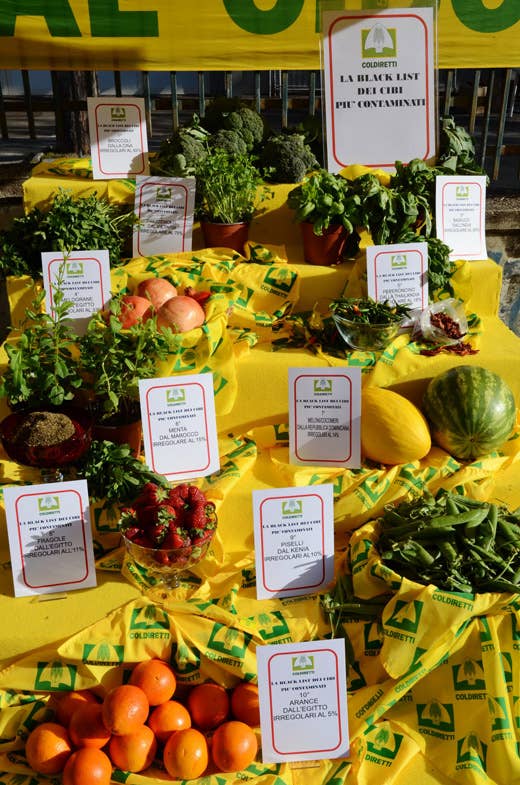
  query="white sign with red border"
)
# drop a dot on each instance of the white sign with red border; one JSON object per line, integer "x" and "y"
{"x": 118, "y": 137}
{"x": 50, "y": 537}
{"x": 460, "y": 211}
{"x": 379, "y": 86}
{"x": 398, "y": 274}
{"x": 164, "y": 209}
{"x": 294, "y": 540}
{"x": 84, "y": 281}
{"x": 179, "y": 426}
{"x": 324, "y": 416}
{"x": 303, "y": 701}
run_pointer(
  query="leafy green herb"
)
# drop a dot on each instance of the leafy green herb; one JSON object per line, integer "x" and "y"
{"x": 325, "y": 199}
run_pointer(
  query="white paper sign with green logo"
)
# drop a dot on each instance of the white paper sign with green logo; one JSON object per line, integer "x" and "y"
{"x": 118, "y": 137}
{"x": 378, "y": 70}
{"x": 50, "y": 538}
{"x": 461, "y": 215}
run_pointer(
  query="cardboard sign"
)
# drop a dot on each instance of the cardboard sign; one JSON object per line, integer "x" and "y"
{"x": 324, "y": 416}
{"x": 164, "y": 208}
{"x": 460, "y": 205}
{"x": 379, "y": 86}
{"x": 50, "y": 538}
{"x": 303, "y": 700}
{"x": 294, "y": 540}
{"x": 179, "y": 426}
{"x": 398, "y": 274}
{"x": 118, "y": 138}
{"x": 85, "y": 282}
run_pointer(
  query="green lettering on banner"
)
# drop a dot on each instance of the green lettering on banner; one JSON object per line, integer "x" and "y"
{"x": 246, "y": 15}
{"x": 58, "y": 15}
{"x": 475, "y": 15}
{"x": 107, "y": 20}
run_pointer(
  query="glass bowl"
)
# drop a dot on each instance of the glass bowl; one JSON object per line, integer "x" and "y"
{"x": 369, "y": 337}
{"x": 45, "y": 456}
{"x": 164, "y": 566}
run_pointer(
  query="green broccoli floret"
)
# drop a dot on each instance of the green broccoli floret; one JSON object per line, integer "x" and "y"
{"x": 233, "y": 115}
{"x": 230, "y": 141}
{"x": 179, "y": 154}
{"x": 286, "y": 158}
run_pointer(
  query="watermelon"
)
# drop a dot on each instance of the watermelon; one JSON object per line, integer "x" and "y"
{"x": 471, "y": 411}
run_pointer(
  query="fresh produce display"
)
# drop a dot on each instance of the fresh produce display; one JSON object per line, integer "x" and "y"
{"x": 180, "y": 314}
{"x": 180, "y": 517}
{"x": 157, "y": 290}
{"x": 453, "y": 542}
{"x": 471, "y": 411}
{"x": 393, "y": 429}
{"x": 146, "y": 722}
{"x": 367, "y": 311}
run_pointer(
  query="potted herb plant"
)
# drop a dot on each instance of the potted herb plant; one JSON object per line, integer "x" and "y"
{"x": 113, "y": 358}
{"x": 229, "y": 192}
{"x": 328, "y": 212}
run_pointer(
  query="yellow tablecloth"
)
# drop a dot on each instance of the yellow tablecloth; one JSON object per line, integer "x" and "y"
{"x": 60, "y": 635}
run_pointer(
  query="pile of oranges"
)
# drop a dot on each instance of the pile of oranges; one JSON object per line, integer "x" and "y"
{"x": 139, "y": 723}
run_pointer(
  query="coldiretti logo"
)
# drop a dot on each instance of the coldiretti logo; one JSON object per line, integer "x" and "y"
{"x": 499, "y": 713}
{"x": 229, "y": 641}
{"x": 75, "y": 268}
{"x": 372, "y": 637}
{"x": 382, "y": 743}
{"x": 469, "y": 676}
{"x": 302, "y": 662}
{"x": 175, "y": 395}
{"x": 462, "y": 192}
{"x": 398, "y": 260}
{"x": 149, "y": 622}
{"x": 272, "y": 625}
{"x": 47, "y": 504}
{"x": 280, "y": 278}
{"x": 471, "y": 753}
{"x": 163, "y": 193}
{"x": 292, "y": 507}
{"x": 185, "y": 659}
{"x": 118, "y": 112}
{"x": 436, "y": 719}
{"x": 379, "y": 41}
{"x": 323, "y": 386}
{"x": 55, "y": 675}
{"x": 103, "y": 653}
{"x": 359, "y": 554}
{"x": 356, "y": 680}
{"x": 406, "y": 616}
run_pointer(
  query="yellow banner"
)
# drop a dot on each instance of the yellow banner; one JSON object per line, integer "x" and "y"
{"x": 161, "y": 35}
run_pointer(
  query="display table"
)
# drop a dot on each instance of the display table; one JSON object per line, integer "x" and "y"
{"x": 420, "y": 713}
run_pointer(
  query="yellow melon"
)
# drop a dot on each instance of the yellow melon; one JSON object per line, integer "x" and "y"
{"x": 393, "y": 429}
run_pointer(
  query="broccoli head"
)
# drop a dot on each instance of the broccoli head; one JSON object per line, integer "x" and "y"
{"x": 286, "y": 158}
{"x": 230, "y": 141}
{"x": 179, "y": 154}
{"x": 231, "y": 114}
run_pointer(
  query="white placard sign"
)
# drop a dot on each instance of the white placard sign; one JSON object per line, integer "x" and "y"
{"x": 179, "y": 425}
{"x": 460, "y": 209}
{"x": 303, "y": 701}
{"x": 85, "y": 282}
{"x": 294, "y": 540}
{"x": 50, "y": 538}
{"x": 398, "y": 273}
{"x": 118, "y": 137}
{"x": 379, "y": 86}
{"x": 164, "y": 209}
{"x": 324, "y": 416}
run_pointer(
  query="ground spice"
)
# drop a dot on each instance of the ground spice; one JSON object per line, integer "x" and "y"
{"x": 44, "y": 429}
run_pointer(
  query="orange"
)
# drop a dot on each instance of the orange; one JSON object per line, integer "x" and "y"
{"x": 167, "y": 718}
{"x": 70, "y": 701}
{"x": 125, "y": 709}
{"x": 245, "y": 704}
{"x": 86, "y": 727}
{"x": 233, "y": 746}
{"x": 208, "y": 705}
{"x": 185, "y": 754}
{"x": 133, "y": 751}
{"x": 48, "y": 748}
{"x": 156, "y": 679}
{"x": 87, "y": 765}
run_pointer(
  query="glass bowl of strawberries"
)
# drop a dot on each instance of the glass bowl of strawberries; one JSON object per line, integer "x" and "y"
{"x": 167, "y": 531}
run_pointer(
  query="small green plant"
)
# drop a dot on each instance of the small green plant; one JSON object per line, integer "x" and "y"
{"x": 325, "y": 199}
{"x": 113, "y": 360}
{"x": 229, "y": 187}
{"x": 43, "y": 366}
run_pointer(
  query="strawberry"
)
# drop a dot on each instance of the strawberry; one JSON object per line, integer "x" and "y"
{"x": 177, "y": 537}
{"x": 151, "y": 494}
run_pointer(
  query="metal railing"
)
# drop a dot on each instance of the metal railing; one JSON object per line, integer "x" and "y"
{"x": 486, "y": 102}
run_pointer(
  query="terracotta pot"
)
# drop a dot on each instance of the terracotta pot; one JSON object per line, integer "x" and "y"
{"x": 232, "y": 236}
{"x": 129, "y": 433}
{"x": 325, "y": 249}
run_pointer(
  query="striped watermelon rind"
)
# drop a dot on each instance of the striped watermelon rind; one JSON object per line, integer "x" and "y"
{"x": 471, "y": 411}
